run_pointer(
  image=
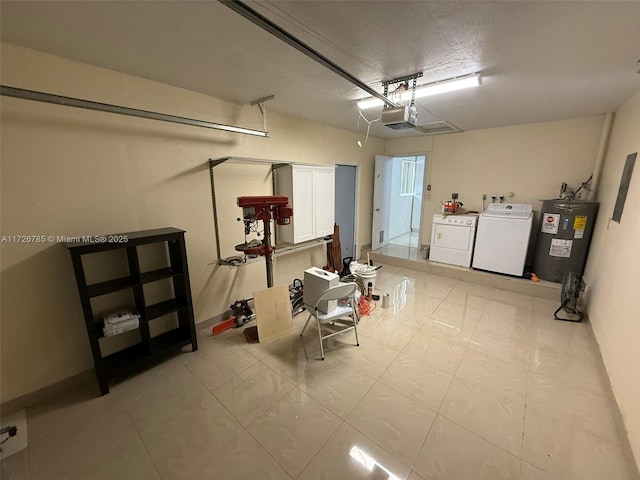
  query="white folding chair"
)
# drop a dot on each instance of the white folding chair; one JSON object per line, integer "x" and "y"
{"x": 341, "y": 292}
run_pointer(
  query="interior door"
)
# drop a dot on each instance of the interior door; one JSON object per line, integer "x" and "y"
{"x": 381, "y": 201}
{"x": 345, "y": 208}
{"x": 421, "y": 162}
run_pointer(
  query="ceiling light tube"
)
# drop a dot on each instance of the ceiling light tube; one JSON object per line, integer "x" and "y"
{"x": 436, "y": 88}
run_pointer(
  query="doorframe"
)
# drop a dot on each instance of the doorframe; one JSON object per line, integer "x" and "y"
{"x": 426, "y": 180}
{"x": 356, "y": 219}
{"x": 380, "y": 211}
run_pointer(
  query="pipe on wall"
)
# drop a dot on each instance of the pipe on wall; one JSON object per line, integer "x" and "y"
{"x": 602, "y": 153}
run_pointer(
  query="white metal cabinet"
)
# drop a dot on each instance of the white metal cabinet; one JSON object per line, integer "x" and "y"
{"x": 324, "y": 198}
{"x": 311, "y": 191}
{"x": 303, "y": 203}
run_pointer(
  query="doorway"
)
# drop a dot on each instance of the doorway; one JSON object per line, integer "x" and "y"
{"x": 398, "y": 198}
{"x": 346, "y": 181}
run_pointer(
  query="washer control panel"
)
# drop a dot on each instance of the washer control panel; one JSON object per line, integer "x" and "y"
{"x": 515, "y": 210}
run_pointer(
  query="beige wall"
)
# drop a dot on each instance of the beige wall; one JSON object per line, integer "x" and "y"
{"x": 529, "y": 160}
{"x": 613, "y": 288}
{"x": 67, "y": 171}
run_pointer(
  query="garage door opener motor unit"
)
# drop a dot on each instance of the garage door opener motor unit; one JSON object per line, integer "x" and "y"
{"x": 401, "y": 117}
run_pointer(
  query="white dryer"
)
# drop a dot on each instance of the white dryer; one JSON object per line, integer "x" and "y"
{"x": 452, "y": 239}
{"x": 502, "y": 240}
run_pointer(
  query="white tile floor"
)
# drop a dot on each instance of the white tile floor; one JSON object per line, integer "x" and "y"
{"x": 461, "y": 382}
{"x": 405, "y": 246}
{"x": 409, "y": 239}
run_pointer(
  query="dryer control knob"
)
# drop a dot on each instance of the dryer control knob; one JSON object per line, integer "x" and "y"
{"x": 469, "y": 222}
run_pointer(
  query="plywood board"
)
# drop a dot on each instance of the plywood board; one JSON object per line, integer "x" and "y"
{"x": 273, "y": 312}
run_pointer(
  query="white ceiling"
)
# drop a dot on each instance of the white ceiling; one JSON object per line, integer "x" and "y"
{"x": 540, "y": 60}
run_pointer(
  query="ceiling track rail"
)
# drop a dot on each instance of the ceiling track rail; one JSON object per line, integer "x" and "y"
{"x": 120, "y": 110}
{"x": 278, "y": 32}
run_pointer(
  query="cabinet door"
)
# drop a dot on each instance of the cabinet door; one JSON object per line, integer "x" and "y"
{"x": 324, "y": 200}
{"x": 303, "y": 204}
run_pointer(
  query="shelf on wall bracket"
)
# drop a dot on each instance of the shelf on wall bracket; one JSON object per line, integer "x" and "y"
{"x": 260, "y": 102}
{"x": 214, "y": 162}
{"x": 280, "y": 251}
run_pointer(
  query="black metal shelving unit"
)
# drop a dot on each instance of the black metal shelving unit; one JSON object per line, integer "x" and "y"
{"x": 149, "y": 349}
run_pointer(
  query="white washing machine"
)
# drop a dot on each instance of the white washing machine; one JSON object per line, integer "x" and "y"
{"x": 452, "y": 239}
{"x": 503, "y": 238}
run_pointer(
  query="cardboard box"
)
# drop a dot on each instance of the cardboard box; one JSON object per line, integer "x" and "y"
{"x": 316, "y": 281}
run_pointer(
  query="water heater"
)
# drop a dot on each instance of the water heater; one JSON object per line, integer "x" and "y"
{"x": 566, "y": 228}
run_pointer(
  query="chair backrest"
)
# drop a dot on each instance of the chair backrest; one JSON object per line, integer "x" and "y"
{"x": 342, "y": 290}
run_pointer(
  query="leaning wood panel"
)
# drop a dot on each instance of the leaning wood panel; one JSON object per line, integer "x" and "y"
{"x": 273, "y": 312}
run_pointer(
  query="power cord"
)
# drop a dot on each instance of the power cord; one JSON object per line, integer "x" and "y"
{"x": 369, "y": 122}
{"x": 10, "y": 431}
{"x": 366, "y": 306}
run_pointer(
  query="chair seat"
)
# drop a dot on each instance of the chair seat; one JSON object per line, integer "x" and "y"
{"x": 339, "y": 311}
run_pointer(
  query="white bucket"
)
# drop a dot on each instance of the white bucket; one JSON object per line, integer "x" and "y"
{"x": 368, "y": 277}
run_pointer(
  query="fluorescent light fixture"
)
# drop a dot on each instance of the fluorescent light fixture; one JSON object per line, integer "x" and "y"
{"x": 436, "y": 88}
{"x": 231, "y": 128}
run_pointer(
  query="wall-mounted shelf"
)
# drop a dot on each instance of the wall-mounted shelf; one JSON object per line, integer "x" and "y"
{"x": 281, "y": 251}
{"x": 281, "y": 248}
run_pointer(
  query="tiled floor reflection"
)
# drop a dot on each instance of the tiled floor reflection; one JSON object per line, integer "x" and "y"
{"x": 409, "y": 239}
{"x": 461, "y": 381}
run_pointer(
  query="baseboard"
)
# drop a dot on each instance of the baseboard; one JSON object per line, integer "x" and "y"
{"x": 542, "y": 289}
{"x": 49, "y": 391}
{"x": 75, "y": 381}
{"x": 619, "y": 420}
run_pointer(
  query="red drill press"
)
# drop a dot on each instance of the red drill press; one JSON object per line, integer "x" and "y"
{"x": 265, "y": 208}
